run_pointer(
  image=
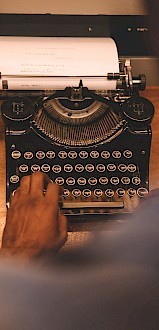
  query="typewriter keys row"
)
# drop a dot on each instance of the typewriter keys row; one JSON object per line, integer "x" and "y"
{"x": 120, "y": 192}
{"x": 83, "y": 154}
{"x": 82, "y": 181}
{"x": 79, "y": 168}
{"x": 87, "y": 193}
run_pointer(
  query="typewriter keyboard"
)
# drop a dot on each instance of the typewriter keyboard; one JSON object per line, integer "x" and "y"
{"x": 94, "y": 179}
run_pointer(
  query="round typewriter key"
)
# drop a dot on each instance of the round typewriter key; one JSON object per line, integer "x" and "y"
{"x": 45, "y": 168}
{"x": 86, "y": 193}
{"x": 68, "y": 168}
{"x": 79, "y": 168}
{"x": 56, "y": 168}
{"x": 131, "y": 192}
{"x": 72, "y": 154}
{"x": 120, "y": 192}
{"x": 116, "y": 154}
{"x": 142, "y": 192}
{"x": 122, "y": 167}
{"x": 103, "y": 180}
{"x": 100, "y": 167}
{"x": 89, "y": 167}
{"x": 136, "y": 180}
{"x": 94, "y": 154}
{"x": 14, "y": 179}
{"x": 81, "y": 181}
{"x": 50, "y": 154}
{"x": 92, "y": 181}
{"x": 76, "y": 193}
{"x": 127, "y": 154}
{"x": 35, "y": 168}
{"x": 70, "y": 181}
{"x": 23, "y": 168}
{"x": 105, "y": 154}
{"x": 98, "y": 192}
{"x": 62, "y": 154}
{"x": 28, "y": 155}
{"x": 65, "y": 193}
{"x": 83, "y": 154}
{"x": 16, "y": 154}
{"x": 125, "y": 180}
{"x": 111, "y": 167}
{"x": 114, "y": 180}
{"x": 40, "y": 154}
{"x": 109, "y": 193}
{"x": 131, "y": 168}
{"x": 59, "y": 181}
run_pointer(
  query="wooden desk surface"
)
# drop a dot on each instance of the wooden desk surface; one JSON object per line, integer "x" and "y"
{"x": 152, "y": 93}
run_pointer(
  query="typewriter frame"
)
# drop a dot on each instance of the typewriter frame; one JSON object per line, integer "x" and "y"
{"x": 25, "y": 132}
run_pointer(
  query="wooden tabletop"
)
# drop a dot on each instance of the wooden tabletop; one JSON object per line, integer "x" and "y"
{"x": 151, "y": 93}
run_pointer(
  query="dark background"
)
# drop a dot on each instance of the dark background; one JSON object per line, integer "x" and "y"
{"x": 132, "y": 33}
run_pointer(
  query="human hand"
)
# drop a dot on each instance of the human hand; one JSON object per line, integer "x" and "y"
{"x": 34, "y": 224}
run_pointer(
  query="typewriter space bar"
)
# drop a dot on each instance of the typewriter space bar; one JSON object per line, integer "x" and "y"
{"x": 84, "y": 205}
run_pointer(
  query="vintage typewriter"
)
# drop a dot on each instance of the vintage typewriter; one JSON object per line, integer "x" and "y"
{"x": 91, "y": 134}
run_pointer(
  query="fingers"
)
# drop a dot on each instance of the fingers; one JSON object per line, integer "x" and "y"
{"x": 35, "y": 184}
{"x": 25, "y": 185}
{"x": 52, "y": 192}
{"x": 38, "y": 182}
{"x": 52, "y": 199}
{"x": 14, "y": 197}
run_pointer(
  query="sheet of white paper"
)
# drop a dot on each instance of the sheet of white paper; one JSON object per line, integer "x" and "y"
{"x": 57, "y": 57}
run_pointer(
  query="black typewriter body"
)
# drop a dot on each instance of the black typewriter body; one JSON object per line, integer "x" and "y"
{"x": 97, "y": 148}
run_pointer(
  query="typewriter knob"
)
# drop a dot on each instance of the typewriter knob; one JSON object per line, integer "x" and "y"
{"x": 138, "y": 112}
{"x": 17, "y": 112}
